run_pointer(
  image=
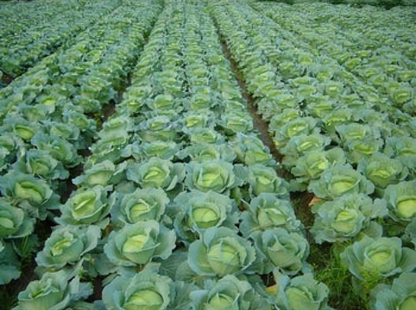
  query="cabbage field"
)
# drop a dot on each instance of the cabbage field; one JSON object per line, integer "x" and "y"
{"x": 207, "y": 155}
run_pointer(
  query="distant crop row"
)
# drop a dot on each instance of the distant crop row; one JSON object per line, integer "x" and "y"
{"x": 32, "y": 31}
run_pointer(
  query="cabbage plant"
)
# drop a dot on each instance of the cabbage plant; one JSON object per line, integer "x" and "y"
{"x": 204, "y": 135}
{"x": 302, "y": 144}
{"x": 98, "y": 174}
{"x": 401, "y": 199}
{"x": 164, "y": 102}
{"x": 356, "y": 131}
{"x": 403, "y": 149}
{"x": 30, "y": 193}
{"x": 279, "y": 119}
{"x": 219, "y": 252}
{"x": 264, "y": 179}
{"x": 138, "y": 243}
{"x": 382, "y": 170}
{"x": 140, "y": 205}
{"x": 41, "y": 163}
{"x": 279, "y": 248}
{"x": 215, "y": 175}
{"x": 358, "y": 149}
{"x": 339, "y": 180}
{"x": 86, "y": 206}
{"x": 67, "y": 244}
{"x": 146, "y": 290}
{"x": 268, "y": 211}
{"x": 229, "y": 293}
{"x": 63, "y": 130}
{"x": 155, "y": 173}
{"x": 233, "y": 122}
{"x": 162, "y": 149}
{"x": 295, "y": 127}
{"x": 14, "y": 222}
{"x": 251, "y": 150}
{"x": 371, "y": 259}
{"x": 158, "y": 128}
{"x": 299, "y": 293}
{"x": 400, "y": 295}
{"x": 53, "y": 291}
{"x": 199, "y": 119}
{"x": 207, "y": 152}
{"x": 11, "y": 147}
{"x": 347, "y": 217}
{"x": 59, "y": 148}
{"x": 195, "y": 211}
{"x": 335, "y": 118}
{"x": 116, "y": 129}
{"x": 21, "y": 127}
{"x": 314, "y": 163}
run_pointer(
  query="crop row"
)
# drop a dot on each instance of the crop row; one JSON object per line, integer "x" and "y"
{"x": 47, "y": 123}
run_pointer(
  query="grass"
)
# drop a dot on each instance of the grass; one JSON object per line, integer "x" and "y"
{"x": 329, "y": 270}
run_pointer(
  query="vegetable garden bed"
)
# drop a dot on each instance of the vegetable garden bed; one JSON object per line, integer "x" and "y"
{"x": 207, "y": 155}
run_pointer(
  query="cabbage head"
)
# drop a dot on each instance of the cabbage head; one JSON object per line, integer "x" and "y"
{"x": 229, "y": 293}
{"x": 382, "y": 170}
{"x": 400, "y": 295}
{"x": 14, "y": 222}
{"x": 67, "y": 244}
{"x": 279, "y": 248}
{"x": 30, "y": 193}
{"x": 299, "y": 293}
{"x": 345, "y": 217}
{"x": 146, "y": 290}
{"x": 401, "y": 200}
{"x": 264, "y": 179}
{"x": 156, "y": 173}
{"x": 86, "y": 206}
{"x": 140, "y": 205}
{"x": 41, "y": 163}
{"x": 138, "y": 243}
{"x": 314, "y": 163}
{"x": 339, "y": 180}
{"x": 215, "y": 175}
{"x": 219, "y": 252}
{"x": 195, "y": 211}
{"x": 98, "y": 174}
{"x": 268, "y": 211}
{"x": 53, "y": 291}
{"x": 371, "y": 259}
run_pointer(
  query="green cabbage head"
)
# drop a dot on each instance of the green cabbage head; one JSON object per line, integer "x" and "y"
{"x": 299, "y": 293}
{"x": 229, "y": 293}
{"x": 401, "y": 199}
{"x": 344, "y": 218}
{"x": 138, "y": 243}
{"x": 339, "y": 180}
{"x": 400, "y": 295}
{"x": 67, "y": 244}
{"x": 268, "y": 211}
{"x": 279, "y": 248}
{"x": 370, "y": 259}
{"x": 215, "y": 175}
{"x": 146, "y": 290}
{"x": 219, "y": 252}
